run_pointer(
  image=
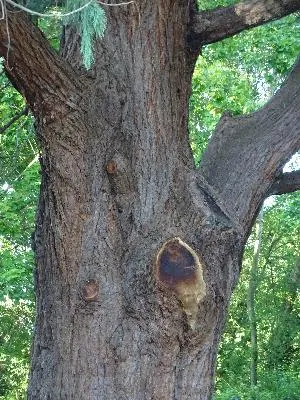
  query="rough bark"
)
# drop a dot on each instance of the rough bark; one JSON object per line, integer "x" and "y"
{"x": 137, "y": 253}
{"x": 214, "y": 25}
{"x": 49, "y": 84}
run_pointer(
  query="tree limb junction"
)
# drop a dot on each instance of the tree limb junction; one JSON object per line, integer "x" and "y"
{"x": 35, "y": 69}
{"x": 244, "y": 153}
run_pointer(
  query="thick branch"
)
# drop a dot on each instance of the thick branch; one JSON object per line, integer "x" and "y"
{"x": 286, "y": 183}
{"x": 245, "y": 153}
{"x": 33, "y": 67}
{"x": 215, "y": 25}
{"x": 14, "y": 119}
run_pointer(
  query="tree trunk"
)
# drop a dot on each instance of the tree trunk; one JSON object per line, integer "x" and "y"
{"x": 251, "y": 303}
{"x": 118, "y": 182}
{"x": 137, "y": 252}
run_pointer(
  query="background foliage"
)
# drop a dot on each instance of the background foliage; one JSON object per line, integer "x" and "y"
{"x": 236, "y": 75}
{"x": 277, "y": 308}
{"x": 19, "y": 182}
{"x": 240, "y": 74}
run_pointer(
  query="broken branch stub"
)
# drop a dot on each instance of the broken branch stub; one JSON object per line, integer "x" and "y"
{"x": 179, "y": 269}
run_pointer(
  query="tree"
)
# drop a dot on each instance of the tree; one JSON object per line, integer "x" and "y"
{"x": 251, "y": 302}
{"x": 137, "y": 252}
{"x": 277, "y": 312}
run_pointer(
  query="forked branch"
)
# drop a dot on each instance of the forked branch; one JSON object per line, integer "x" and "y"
{"x": 215, "y": 25}
{"x": 33, "y": 67}
{"x": 244, "y": 155}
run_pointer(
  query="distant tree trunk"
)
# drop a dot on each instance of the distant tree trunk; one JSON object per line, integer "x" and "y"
{"x": 137, "y": 252}
{"x": 251, "y": 302}
{"x": 281, "y": 350}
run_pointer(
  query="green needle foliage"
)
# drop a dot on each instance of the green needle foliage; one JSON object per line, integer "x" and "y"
{"x": 90, "y": 22}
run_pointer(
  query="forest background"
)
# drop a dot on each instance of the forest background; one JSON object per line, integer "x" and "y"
{"x": 261, "y": 342}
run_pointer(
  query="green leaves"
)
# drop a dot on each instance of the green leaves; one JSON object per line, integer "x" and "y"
{"x": 17, "y": 210}
{"x": 19, "y": 182}
{"x": 213, "y": 94}
{"x": 17, "y": 214}
{"x": 239, "y": 74}
{"x": 277, "y": 311}
{"x": 15, "y": 335}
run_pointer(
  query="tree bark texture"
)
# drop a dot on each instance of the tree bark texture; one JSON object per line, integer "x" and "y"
{"x": 137, "y": 252}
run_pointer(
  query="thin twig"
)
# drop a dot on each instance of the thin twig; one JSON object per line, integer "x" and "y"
{"x": 117, "y": 4}
{"x": 53, "y": 14}
{"x": 14, "y": 119}
{"x": 58, "y": 14}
